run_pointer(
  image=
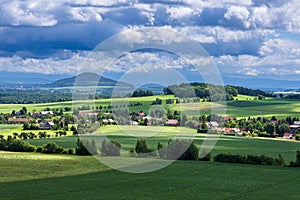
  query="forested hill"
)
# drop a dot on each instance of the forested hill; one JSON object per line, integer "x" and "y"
{"x": 204, "y": 90}
{"x": 85, "y": 79}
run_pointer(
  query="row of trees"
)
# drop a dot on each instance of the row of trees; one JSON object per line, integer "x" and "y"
{"x": 32, "y": 97}
{"x": 203, "y": 90}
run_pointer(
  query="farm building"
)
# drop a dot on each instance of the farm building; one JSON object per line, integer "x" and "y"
{"x": 46, "y": 113}
{"x": 172, "y": 122}
{"x": 46, "y": 125}
{"x": 288, "y": 135}
{"x": 14, "y": 120}
{"x": 236, "y": 131}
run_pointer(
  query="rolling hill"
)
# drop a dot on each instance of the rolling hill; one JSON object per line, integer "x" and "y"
{"x": 86, "y": 79}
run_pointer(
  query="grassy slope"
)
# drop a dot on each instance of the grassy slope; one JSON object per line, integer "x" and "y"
{"x": 240, "y": 108}
{"x": 70, "y": 177}
{"x": 225, "y": 144}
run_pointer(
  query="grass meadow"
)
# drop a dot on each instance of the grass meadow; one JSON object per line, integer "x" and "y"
{"x": 42, "y": 176}
{"x": 35, "y": 176}
{"x": 128, "y": 135}
{"x": 243, "y": 107}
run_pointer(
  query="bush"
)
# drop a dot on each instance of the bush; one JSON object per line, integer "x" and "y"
{"x": 110, "y": 148}
{"x": 249, "y": 159}
{"x": 202, "y": 130}
{"x": 192, "y": 153}
{"x": 181, "y": 150}
{"x": 161, "y": 150}
{"x": 297, "y": 162}
{"x": 64, "y": 152}
{"x": 20, "y": 146}
{"x": 71, "y": 151}
{"x": 279, "y": 161}
{"x": 81, "y": 148}
{"x": 230, "y": 158}
{"x": 39, "y": 149}
{"x": 141, "y": 146}
{"x": 254, "y": 135}
{"x": 52, "y": 147}
{"x": 204, "y": 156}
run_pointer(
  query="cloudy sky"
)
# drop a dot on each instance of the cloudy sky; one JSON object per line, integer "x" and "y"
{"x": 245, "y": 38}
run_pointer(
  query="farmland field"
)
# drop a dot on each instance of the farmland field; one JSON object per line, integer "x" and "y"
{"x": 225, "y": 144}
{"x": 35, "y": 176}
{"x": 238, "y": 108}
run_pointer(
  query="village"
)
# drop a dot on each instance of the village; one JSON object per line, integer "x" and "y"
{"x": 62, "y": 119}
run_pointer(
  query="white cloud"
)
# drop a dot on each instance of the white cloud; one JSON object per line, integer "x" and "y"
{"x": 240, "y": 13}
{"x": 179, "y": 12}
{"x": 85, "y": 14}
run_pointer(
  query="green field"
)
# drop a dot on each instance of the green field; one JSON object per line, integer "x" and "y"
{"x": 41, "y": 176}
{"x": 35, "y": 176}
{"x": 238, "y": 108}
{"x": 225, "y": 144}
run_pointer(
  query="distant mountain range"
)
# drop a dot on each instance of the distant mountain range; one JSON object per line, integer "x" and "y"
{"x": 22, "y": 78}
{"x": 65, "y": 80}
{"x": 86, "y": 79}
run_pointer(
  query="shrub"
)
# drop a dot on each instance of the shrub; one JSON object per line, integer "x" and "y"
{"x": 202, "y": 130}
{"x": 204, "y": 156}
{"x": 279, "y": 161}
{"x": 161, "y": 150}
{"x": 81, "y": 148}
{"x": 254, "y": 135}
{"x": 141, "y": 146}
{"x": 181, "y": 150}
{"x": 71, "y": 151}
{"x": 297, "y": 162}
{"x": 52, "y": 147}
{"x": 39, "y": 149}
{"x": 192, "y": 153}
{"x": 110, "y": 148}
{"x": 20, "y": 146}
{"x": 64, "y": 152}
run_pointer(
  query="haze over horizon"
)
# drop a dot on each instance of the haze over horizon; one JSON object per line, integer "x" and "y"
{"x": 249, "y": 39}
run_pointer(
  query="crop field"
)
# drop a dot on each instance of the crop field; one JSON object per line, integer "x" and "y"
{"x": 243, "y": 107}
{"x": 42, "y": 176}
{"x": 127, "y": 136}
{"x": 39, "y": 176}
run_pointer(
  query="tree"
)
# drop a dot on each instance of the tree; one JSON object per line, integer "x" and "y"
{"x": 81, "y": 148}
{"x": 26, "y": 126}
{"x": 141, "y": 146}
{"x": 270, "y": 128}
{"x": 279, "y": 161}
{"x": 110, "y": 148}
{"x": 283, "y": 128}
{"x": 297, "y": 163}
{"x": 52, "y": 147}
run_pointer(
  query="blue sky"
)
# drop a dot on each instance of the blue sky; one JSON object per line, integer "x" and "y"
{"x": 245, "y": 38}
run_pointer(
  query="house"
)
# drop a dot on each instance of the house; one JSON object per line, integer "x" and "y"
{"x": 134, "y": 123}
{"x": 294, "y": 127}
{"x": 235, "y": 131}
{"x": 88, "y": 113}
{"x": 212, "y": 124}
{"x": 105, "y": 121}
{"x": 172, "y": 122}
{"x": 288, "y": 135}
{"x": 140, "y": 115}
{"x": 111, "y": 121}
{"x": 46, "y": 125}
{"x": 46, "y": 113}
{"x": 227, "y": 118}
{"x": 14, "y": 120}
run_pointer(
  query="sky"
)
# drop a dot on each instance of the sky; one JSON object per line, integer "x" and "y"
{"x": 244, "y": 38}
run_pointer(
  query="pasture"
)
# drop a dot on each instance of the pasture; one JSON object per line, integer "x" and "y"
{"x": 39, "y": 176}
{"x": 128, "y": 135}
{"x": 240, "y": 108}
